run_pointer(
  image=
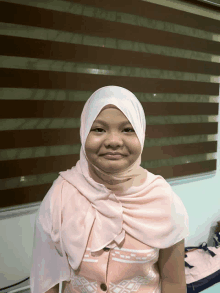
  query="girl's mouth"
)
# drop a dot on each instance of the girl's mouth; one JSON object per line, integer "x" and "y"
{"x": 113, "y": 157}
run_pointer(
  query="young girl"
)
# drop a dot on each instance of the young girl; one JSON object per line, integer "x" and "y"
{"x": 108, "y": 225}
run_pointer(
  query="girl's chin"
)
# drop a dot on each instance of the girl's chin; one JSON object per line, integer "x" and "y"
{"x": 112, "y": 170}
{"x": 112, "y": 166}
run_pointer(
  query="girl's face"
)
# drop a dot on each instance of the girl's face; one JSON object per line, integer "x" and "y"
{"x": 112, "y": 132}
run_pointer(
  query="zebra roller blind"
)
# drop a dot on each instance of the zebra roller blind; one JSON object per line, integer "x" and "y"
{"x": 55, "y": 54}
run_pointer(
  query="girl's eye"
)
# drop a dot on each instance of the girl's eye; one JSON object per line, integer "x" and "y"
{"x": 99, "y": 129}
{"x": 131, "y": 129}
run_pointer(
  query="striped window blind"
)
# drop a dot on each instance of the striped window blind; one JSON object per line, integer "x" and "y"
{"x": 210, "y": 4}
{"x": 55, "y": 54}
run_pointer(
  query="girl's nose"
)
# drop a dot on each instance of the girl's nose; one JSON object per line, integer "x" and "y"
{"x": 113, "y": 140}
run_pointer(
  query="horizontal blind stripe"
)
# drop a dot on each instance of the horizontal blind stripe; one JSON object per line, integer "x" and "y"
{"x": 53, "y": 109}
{"x": 72, "y": 95}
{"x": 179, "y": 140}
{"x": 157, "y": 131}
{"x": 120, "y": 17}
{"x": 184, "y": 170}
{"x": 172, "y": 151}
{"x": 39, "y": 17}
{"x": 13, "y": 62}
{"x": 39, "y": 165}
{"x": 28, "y": 194}
{"x": 31, "y": 180}
{"x": 36, "y": 137}
{"x": 179, "y": 160}
{"x": 24, "y": 195}
{"x": 15, "y": 168}
{"x": 77, "y": 38}
{"x": 157, "y": 12}
{"x": 23, "y": 78}
{"x": 60, "y": 123}
{"x": 33, "y": 48}
{"x": 211, "y": 5}
{"x": 41, "y": 109}
{"x": 45, "y": 151}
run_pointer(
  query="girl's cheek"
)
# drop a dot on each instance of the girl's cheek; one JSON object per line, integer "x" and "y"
{"x": 135, "y": 144}
{"x": 92, "y": 140}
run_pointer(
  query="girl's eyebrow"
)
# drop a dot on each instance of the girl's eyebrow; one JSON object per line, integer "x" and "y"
{"x": 106, "y": 124}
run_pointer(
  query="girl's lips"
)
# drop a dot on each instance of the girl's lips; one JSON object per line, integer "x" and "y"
{"x": 113, "y": 157}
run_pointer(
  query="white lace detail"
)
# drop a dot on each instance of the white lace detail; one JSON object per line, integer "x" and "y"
{"x": 128, "y": 286}
{"x": 83, "y": 285}
{"x": 126, "y": 255}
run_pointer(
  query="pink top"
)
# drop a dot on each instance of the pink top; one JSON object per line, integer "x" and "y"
{"x": 141, "y": 215}
{"x": 129, "y": 267}
{"x": 68, "y": 224}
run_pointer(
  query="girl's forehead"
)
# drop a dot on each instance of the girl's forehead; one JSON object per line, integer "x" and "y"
{"x": 109, "y": 106}
{"x": 103, "y": 115}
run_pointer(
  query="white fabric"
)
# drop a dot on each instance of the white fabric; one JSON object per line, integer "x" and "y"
{"x": 126, "y": 101}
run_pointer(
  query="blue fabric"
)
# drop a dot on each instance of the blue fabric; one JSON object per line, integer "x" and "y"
{"x": 204, "y": 283}
{"x": 209, "y": 280}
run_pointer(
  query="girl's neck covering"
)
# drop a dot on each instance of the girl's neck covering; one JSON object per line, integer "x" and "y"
{"x": 144, "y": 206}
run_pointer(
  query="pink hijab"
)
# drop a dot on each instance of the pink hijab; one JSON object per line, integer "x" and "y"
{"x": 145, "y": 206}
